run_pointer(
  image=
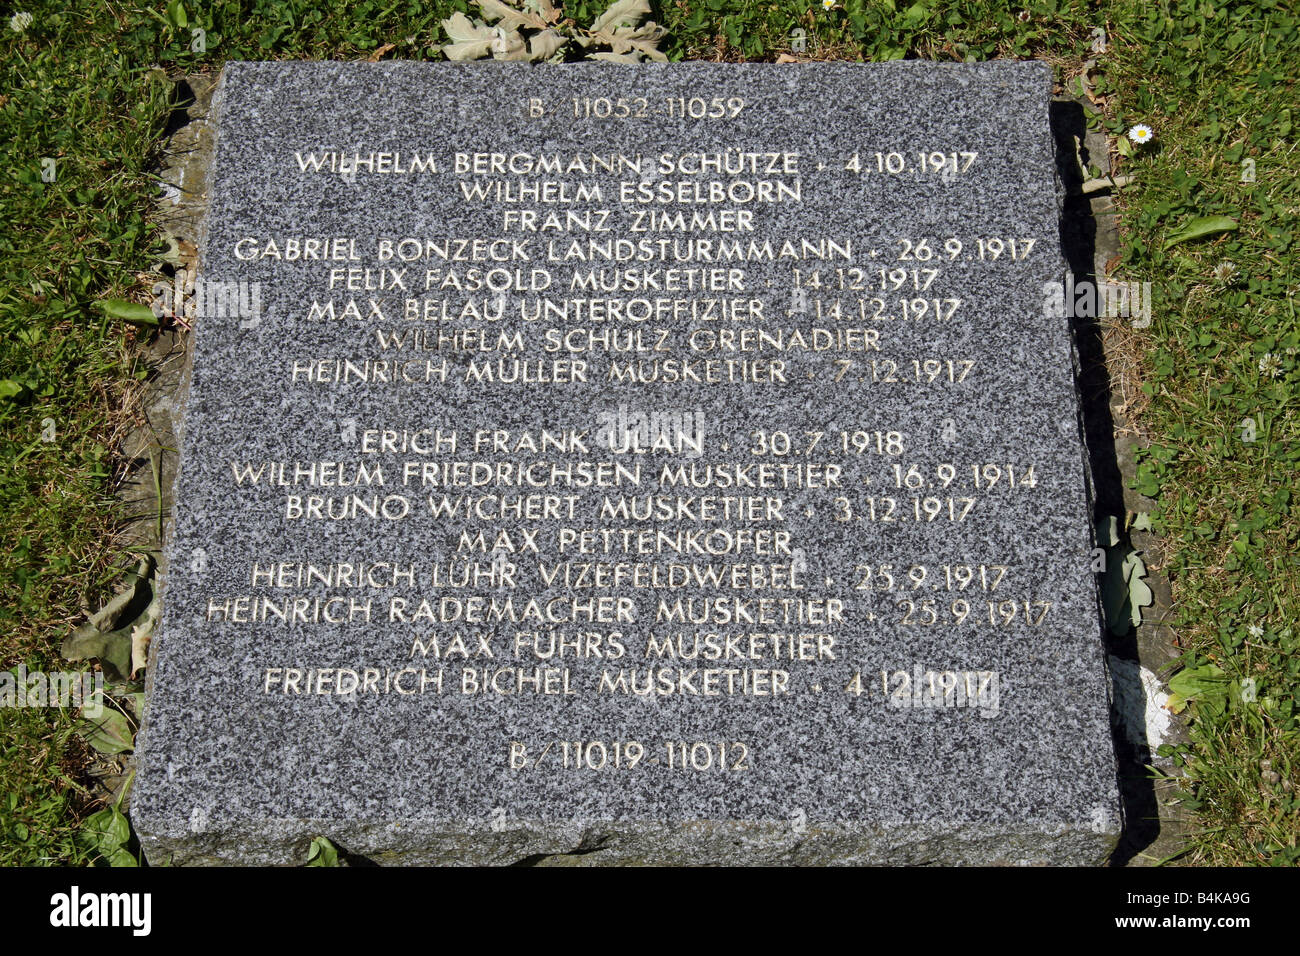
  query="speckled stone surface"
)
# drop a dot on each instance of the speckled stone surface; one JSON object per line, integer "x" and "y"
{"x": 1010, "y": 760}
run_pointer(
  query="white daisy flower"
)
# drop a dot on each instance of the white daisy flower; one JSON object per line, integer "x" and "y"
{"x": 1141, "y": 134}
{"x": 828, "y": 4}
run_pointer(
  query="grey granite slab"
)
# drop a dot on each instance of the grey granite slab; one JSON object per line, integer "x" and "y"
{"x": 420, "y": 599}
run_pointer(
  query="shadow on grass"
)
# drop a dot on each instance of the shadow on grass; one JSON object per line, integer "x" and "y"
{"x": 1078, "y": 243}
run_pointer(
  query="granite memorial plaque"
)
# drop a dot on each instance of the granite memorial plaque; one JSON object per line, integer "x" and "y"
{"x": 675, "y": 463}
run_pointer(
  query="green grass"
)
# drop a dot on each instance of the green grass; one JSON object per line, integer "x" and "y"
{"x": 1214, "y": 78}
{"x": 1216, "y": 82}
{"x": 67, "y": 97}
